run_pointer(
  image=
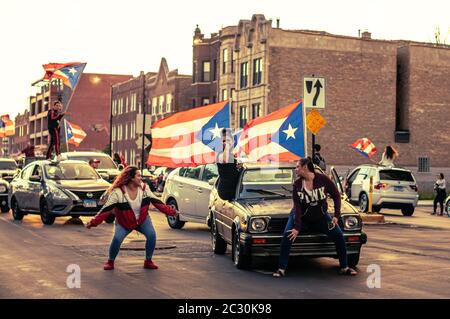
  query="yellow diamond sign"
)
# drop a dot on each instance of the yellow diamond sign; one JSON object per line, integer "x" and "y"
{"x": 315, "y": 121}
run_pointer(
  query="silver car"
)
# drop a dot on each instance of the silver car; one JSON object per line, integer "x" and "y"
{"x": 54, "y": 189}
{"x": 106, "y": 168}
{"x": 393, "y": 187}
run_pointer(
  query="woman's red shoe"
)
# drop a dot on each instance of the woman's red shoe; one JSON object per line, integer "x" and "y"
{"x": 148, "y": 264}
{"x": 109, "y": 265}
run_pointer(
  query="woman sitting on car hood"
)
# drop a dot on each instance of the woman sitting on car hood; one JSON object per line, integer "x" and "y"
{"x": 129, "y": 200}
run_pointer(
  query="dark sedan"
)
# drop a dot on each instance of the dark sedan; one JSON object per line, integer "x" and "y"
{"x": 253, "y": 223}
{"x": 54, "y": 189}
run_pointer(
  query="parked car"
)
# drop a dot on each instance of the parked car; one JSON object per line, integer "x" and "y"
{"x": 107, "y": 168}
{"x": 188, "y": 190}
{"x": 447, "y": 206}
{"x": 393, "y": 187}
{"x": 158, "y": 183}
{"x": 4, "y": 187}
{"x": 253, "y": 224}
{"x": 54, "y": 189}
{"x": 8, "y": 168}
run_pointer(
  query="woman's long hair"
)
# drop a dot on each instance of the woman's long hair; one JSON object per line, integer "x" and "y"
{"x": 391, "y": 152}
{"x": 308, "y": 162}
{"x": 124, "y": 178}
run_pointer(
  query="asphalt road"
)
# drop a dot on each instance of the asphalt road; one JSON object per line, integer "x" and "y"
{"x": 413, "y": 256}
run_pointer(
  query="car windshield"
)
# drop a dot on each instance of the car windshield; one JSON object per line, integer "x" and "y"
{"x": 8, "y": 165}
{"x": 396, "y": 175}
{"x": 105, "y": 161}
{"x": 70, "y": 171}
{"x": 273, "y": 182}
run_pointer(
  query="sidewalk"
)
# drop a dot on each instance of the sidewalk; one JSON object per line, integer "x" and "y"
{"x": 425, "y": 203}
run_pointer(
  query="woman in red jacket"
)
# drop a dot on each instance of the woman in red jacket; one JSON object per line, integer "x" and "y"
{"x": 129, "y": 200}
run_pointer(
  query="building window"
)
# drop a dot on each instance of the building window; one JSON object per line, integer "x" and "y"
{"x": 257, "y": 71}
{"x": 243, "y": 117}
{"x": 206, "y": 71}
{"x": 126, "y": 132}
{"x": 232, "y": 61}
{"x": 114, "y": 107}
{"x": 224, "y": 60}
{"x": 154, "y": 104}
{"x": 161, "y": 104}
{"x": 169, "y": 103}
{"x": 214, "y": 99}
{"x": 256, "y": 110}
{"x": 193, "y": 102}
{"x": 214, "y": 69}
{"x": 224, "y": 95}
{"x": 424, "y": 164}
{"x": 244, "y": 75}
{"x": 194, "y": 69}
{"x": 205, "y": 100}
{"x": 126, "y": 105}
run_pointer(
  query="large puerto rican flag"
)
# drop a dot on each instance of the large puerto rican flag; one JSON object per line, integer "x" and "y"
{"x": 277, "y": 137}
{"x": 189, "y": 138}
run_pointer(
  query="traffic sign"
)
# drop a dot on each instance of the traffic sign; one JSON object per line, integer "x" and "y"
{"x": 314, "y": 92}
{"x": 315, "y": 121}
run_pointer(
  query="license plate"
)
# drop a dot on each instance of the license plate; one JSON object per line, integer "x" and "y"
{"x": 90, "y": 203}
{"x": 398, "y": 188}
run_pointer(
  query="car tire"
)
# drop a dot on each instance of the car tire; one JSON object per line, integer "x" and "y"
{"x": 110, "y": 219}
{"x": 47, "y": 218}
{"x": 408, "y": 210}
{"x": 174, "y": 221}
{"x": 4, "y": 209}
{"x": 219, "y": 245}
{"x": 447, "y": 208}
{"x": 241, "y": 261}
{"x": 353, "y": 260}
{"x": 16, "y": 212}
{"x": 363, "y": 202}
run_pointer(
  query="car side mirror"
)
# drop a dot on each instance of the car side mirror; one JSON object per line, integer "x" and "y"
{"x": 212, "y": 181}
{"x": 341, "y": 178}
{"x": 104, "y": 176}
{"x": 36, "y": 178}
{"x": 120, "y": 167}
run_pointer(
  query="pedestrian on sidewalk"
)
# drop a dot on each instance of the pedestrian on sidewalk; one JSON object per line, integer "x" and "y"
{"x": 129, "y": 200}
{"x": 54, "y": 116}
{"x": 389, "y": 156}
{"x": 441, "y": 194}
{"x": 310, "y": 212}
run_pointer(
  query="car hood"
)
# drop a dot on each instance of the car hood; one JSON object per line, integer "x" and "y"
{"x": 112, "y": 171}
{"x": 281, "y": 207}
{"x": 83, "y": 185}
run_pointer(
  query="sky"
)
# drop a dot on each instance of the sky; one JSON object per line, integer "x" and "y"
{"x": 127, "y": 36}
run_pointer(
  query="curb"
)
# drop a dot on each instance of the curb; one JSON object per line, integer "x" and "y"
{"x": 372, "y": 218}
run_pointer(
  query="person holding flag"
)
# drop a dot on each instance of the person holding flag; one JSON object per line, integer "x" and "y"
{"x": 54, "y": 116}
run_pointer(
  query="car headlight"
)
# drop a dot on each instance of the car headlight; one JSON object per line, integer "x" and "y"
{"x": 58, "y": 193}
{"x": 258, "y": 225}
{"x": 103, "y": 199}
{"x": 3, "y": 188}
{"x": 351, "y": 222}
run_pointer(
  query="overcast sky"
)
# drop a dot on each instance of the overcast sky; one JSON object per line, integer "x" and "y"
{"x": 124, "y": 37}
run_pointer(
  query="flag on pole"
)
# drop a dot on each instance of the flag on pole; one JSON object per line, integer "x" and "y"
{"x": 50, "y": 68}
{"x": 277, "y": 137}
{"x": 75, "y": 134}
{"x": 365, "y": 147}
{"x": 7, "y": 127}
{"x": 189, "y": 138}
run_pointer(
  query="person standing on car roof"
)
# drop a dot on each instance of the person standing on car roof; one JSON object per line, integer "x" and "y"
{"x": 129, "y": 200}
{"x": 310, "y": 213}
{"x": 228, "y": 168}
{"x": 389, "y": 156}
{"x": 441, "y": 194}
{"x": 54, "y": 116}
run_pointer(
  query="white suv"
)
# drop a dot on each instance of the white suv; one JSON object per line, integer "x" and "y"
{"x": 187, "y": 189}
{"x": 393, "y": 187}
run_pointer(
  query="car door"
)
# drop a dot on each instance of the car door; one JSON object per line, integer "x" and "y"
{"x": 357, "y": 184}
{"x": 20, "y": 185}
{"x": 34, "y": 189}
{"x": 25, "y": 197}
{"x": 188, "y": 193}
{"x": 349, "y": 182}
{"x": 203, "y": 189}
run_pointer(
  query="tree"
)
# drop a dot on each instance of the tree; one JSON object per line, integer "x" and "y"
{"x": 438, "y": 36}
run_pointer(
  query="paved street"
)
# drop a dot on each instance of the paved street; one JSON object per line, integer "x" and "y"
{"x": 413, "y": 253}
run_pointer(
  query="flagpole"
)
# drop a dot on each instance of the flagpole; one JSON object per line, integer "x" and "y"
{"x": 66, "y": 107}
{"x": 65, "y": 131}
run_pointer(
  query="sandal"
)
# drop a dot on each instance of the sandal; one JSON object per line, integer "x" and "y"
{"x": 279, "y": 273}
{"x": 348, "y": 272}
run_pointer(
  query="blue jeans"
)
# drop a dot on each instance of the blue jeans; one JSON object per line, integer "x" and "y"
{"x": 322, "y": 227}
{"x": 121, "y": 233}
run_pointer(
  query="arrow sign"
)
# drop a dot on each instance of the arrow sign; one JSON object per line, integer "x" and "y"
{"x": 314, "y": 92}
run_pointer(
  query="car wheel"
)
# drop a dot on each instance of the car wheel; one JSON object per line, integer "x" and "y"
{"x": 447, "y": 208}
{"x": 5, "y": 209}
{"x": 47, "y": 218}
{"x": 240, "y": 260}
{"x": 408, "y": 210}
{"x": 353, "y": 260}
{"x": 363, "y": 202}
{"x": 174, "y": 221}
{"x": 110, "y": 219}
{"x": 16, "y": 212}
{"x": 219, "y": 245}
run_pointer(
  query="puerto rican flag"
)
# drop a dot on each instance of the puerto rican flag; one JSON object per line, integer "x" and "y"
{"x": 365, "y": 147}
{"x": 75, "y": 134}
{"x": 189, "y": 138}
{"x": 277, "y": 137}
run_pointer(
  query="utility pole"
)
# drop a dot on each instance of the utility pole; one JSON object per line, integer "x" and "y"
{"x": 144, "y": 112}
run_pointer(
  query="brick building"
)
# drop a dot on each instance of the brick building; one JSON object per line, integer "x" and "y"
{"x": 166, "y": 92}
{"x": 89, "y": 108}
{"x": 21, "y": 138}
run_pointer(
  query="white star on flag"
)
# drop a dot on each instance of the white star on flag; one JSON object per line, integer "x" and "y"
{"x": 290, "y": 132}
{"x": 72, "y": 71}
{"x": 215, "y": 131}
